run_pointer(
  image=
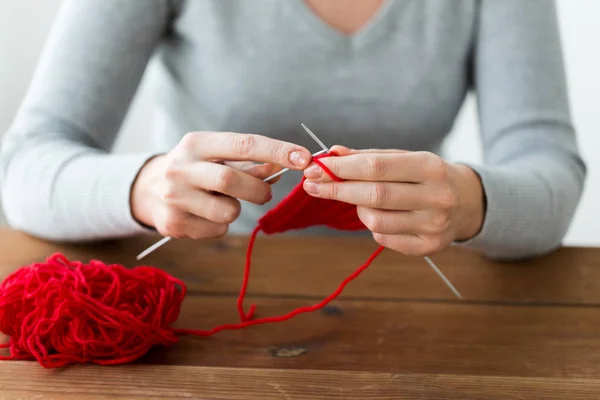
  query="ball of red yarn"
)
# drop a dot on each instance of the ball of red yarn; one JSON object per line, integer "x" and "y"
{"x": 62, "y": 312}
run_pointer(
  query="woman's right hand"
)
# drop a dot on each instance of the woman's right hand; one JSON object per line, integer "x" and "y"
{"x": 194, "y": 190}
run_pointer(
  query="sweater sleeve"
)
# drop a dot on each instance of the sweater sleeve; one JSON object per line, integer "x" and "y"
{"x": 533, "y": 175}
{"x": 59, "y": 180}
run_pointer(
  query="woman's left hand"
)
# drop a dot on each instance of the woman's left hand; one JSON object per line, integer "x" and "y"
{"x": 415, "y": 203}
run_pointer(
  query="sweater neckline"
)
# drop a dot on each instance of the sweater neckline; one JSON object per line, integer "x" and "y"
{"x": 372, "y": 29}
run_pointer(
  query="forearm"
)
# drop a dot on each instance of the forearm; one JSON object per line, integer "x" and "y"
{"x": 59, "y": 180}
{"x": 61, "y": 190}
{"x": 533, "y": 175}
{"x": 530, "y": 203}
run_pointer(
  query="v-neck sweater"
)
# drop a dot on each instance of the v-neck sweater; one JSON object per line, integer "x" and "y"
{"x": 266, "y": 66}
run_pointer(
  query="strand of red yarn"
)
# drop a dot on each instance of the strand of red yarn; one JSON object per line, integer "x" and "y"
{"x": 246, "y": 318}
{"x": 240, "y": 302}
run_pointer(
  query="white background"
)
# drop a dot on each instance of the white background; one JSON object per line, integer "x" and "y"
{"x": 24, "y": 25}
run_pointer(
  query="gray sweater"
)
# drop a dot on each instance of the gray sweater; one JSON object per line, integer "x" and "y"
{"x": 266, "y": 66}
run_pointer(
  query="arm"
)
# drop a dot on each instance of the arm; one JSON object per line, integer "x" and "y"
{"x": 521, "y": 201}
{"x": 533, "y": 176}
{"x": 59, "y": 180}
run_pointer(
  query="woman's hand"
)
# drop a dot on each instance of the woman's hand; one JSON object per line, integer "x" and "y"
{"x": 194, "y": 190}
{"x": 413, "y": 202}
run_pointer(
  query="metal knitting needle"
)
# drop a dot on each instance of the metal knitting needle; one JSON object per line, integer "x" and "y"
{"x": 153, "y": 247}
{"x": 167, "y": 238}
{"x": 446, "y": 281}
{"x": 431, "y": 263}
{"x": 287, "y": 169}
{"x": 315, "y": 138}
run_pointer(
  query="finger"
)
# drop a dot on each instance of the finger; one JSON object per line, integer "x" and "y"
{"x": 177, "y": 223}
{"x": 345, "y": 151}
{"x": 213, "y": 146}
{"x": 383, "y": 195}
{"x": 412, "y": 245}
{"x": 229, "y": 181}
{"x": 341, "y": 150}
{"x": 265, "y": 171}
{"x": 260, "y": 171}
{"x": 375, "y": 167}
{"x": 243, "y": 166}
{"x": 408, "y": 222}
{"x": 212, "y": 207}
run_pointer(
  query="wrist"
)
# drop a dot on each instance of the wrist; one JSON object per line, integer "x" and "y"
{"x": 470, "y": 212}
{"x": 142, "y": 193}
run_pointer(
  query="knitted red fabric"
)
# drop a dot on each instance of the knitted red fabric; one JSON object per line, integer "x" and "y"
{"x": 300, "y": 210}
{"x": 62, "y": 312}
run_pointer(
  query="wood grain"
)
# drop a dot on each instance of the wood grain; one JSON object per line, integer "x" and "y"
{"x": 396, "y": 338}
{"x": 136, "y": 382}
{"x": 525, "y": 329}
{"x": 312, "y": 267}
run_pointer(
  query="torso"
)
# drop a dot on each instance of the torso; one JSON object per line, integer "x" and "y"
{"x": 385, "y": 74}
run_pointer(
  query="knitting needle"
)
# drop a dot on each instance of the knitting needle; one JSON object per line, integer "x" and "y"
{"x": 168, "y": 238}
{"x": 441, "y": 275}
{"x": 431, "y": 263}
{"x": 153, "y": 247}
{"x": 287, "y": 169}
{"x": 315, "y": 138}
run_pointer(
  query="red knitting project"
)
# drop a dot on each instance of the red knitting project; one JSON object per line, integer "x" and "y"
{"x": 63, "y": 312}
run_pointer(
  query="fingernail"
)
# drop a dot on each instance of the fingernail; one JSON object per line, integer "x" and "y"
{"x": 298, "y": 159}
{"x": 311, "y": 187}
{"x": 313, "y": 172}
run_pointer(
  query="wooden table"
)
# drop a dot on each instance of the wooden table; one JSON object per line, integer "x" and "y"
{"x": 528, "y": 330}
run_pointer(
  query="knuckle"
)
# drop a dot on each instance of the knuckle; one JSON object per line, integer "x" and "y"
{"x": 197, "y": 233}
{"x": 263, "y": 194}
{"x": 446, "y": 198}
{"x": 172, "y": 225}
{"x": 172, "y": 170}
{"x": 222, "y": 212}
{"x": 244, "y": 143}
{"x": 230, "y": 213}
{"x": 381, "y": 239}
{"x": 430, "y": 245}
{"x": 280, "y": 152}
{"x": 334, "y": 191}
{"x": 374, "y": 222}
{"x": 439, "y": 223}
{"x": 225, "y": 179}
{"x": 170, "y": 194}
{"x": 434, "y": 165}
{"x": 213, "y": 210}
{"x": 378, "y": 194}
{"x": 189, "y": 141}
{"x": 220, "y": 230}
{"x": 375, "y": 166}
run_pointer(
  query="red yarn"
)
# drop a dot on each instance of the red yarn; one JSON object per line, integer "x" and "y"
{"x": 63, "y": 312}
{"x": 300, "y": 210}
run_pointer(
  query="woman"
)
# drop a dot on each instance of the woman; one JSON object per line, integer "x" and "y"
{"x": 383, "y": 77}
